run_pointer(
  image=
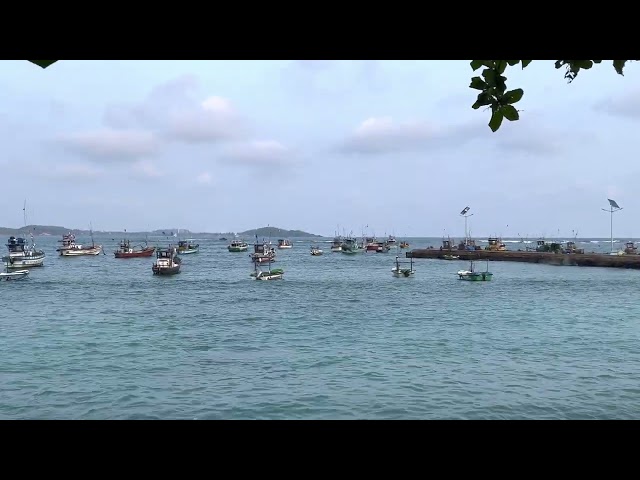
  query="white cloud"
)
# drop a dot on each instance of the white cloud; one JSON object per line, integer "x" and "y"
{"x": 214, "y": 120}
{"x": 378, "y": 135}
{"x": 204, "y": 178}
{"x": 110, "y": 144}
{"x": 147, "y": 169}
{"x": 268, "y": 153}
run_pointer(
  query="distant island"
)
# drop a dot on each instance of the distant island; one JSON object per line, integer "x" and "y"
{"x": 58, "y": 231}
{"x": 276, "y": 232}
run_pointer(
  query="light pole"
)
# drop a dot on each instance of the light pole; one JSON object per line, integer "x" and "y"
{"x": 466, "y": 215}
{"x": 613, "y": 207}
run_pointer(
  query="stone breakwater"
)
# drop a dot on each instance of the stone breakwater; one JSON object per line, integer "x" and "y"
{"x": 569, "y": 259}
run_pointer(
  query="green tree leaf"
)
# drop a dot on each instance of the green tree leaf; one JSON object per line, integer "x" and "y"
{"x": 510, "y": 112}
{"x": 513, "y": 96}
{"x": 513, "y": 62}
{"x": 501, "y": 66}
{"x": 525, "y": 63}
{"x": 43, "y": 63}
{"x": 490, "y": 76}
{"x": 496, "y": 120}
{"x": 476, "y": 64}
{"x": 478, "y": 84}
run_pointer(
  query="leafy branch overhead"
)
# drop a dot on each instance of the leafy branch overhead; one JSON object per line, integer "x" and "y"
{"x": 493, "y": 87}
{"x": 43, "y": 63}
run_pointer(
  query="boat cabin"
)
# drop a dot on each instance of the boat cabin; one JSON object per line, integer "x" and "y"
{"x": 446, "y": 245}
{"x": 167, "y": 253}
{"x": 542, "y": 246}
{"x": 572, "y": 248}
{"x": 260, "y": 248}
{"x": 16, "y": 245}
{"x": 631, "y": 249}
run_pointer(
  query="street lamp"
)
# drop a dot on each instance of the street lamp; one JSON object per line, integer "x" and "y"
{"x": 466, "y": 215}
{"x": 613, "y": 207}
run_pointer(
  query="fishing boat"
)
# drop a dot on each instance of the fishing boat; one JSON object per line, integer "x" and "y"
{"x": 391, "y": 240}
{"x": 336, "y": 244}
{"x": 350, "y": 246}
{"x": 404, "y": 244}
{"x": 473, "y": 276}
{"x": 399, "y": 271}
{"x": 68, "y": 241}
{"x": 15, "y": 275}
{"x": 284, "y": 243}
{"x": 315, "y": 251}
{"x": 185, "y": 247}
{"x": 370, "y": 244}
{"x": 271, "y": 274}
{"x": 77, "y": 250}
{"x": 262, "y": 253}
{"x": 167, "y": 262}
{"x": 125, "y": 250}
{"x": 382, "y": 247}
{"x": 495, "y": 244}
{"x": 238, "y": 246}
{"x": 22, "y": 255}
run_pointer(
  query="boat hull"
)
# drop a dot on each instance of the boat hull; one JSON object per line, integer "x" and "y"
{"x": 165, "y": 270}
{"x": 147, "y": 252}
{"x": 336, "y": 249}
{"x": 238, "y": 249}
{"x": 17, "y": 275}
{"x": 188, "y": 251}
{"x": 351, "y": 252}
{"x": 81, "y": 252}
{"x": 475, "y": 276}
{"x": 402, "y": 272}
{"x": 23, "y": 261}
{"x": 275, "y": 274}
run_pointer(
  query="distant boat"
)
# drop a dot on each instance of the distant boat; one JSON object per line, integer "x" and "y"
{"x": 167, "y": 262}
{"x": 315, "y": 251}
{"x": 473, "y": 276}
{"x": 350, "y": 247}
{"x": 262, "y": 253}
{"x": 238, "y": 246}
{"x": 186, "y": 247}
{"x": 75, "y": 250}
{"x": 284, "y": 243}
{"x": 404, "y": 244}
{"x": 398, "y": 271}
{"x": 336, "y": 245}
{"x": 391, "y": 240}
{"x": 223, "y": 239}
{"x": 127, "y": 251}
{"x": 15, "y": 275}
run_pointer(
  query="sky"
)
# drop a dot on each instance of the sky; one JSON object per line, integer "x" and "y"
{"x": 316, "y": 145}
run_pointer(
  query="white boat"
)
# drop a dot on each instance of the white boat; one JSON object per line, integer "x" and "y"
{"x": 238, "y": 246}
{"x": 336, "y": 245}
{"x": 275, "y": 274}
{"x": 73, "y": 249}
{"x": 398, "y": 271}
{"x": 262, "y": 253}
{"x": 284, "y": 243}
{"x": 17, "y": 275}
{"x": 316, "y": 251}
{"x": 22, "y": 255}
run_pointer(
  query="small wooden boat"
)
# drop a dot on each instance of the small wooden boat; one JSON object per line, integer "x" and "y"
{"x": 185, "y": 247}
{"x": 404, "y": 245}
{"x": 275, "y": 274}
{"x": 68, "y": 241}
{"x": 315, "y": 251}
{"x": 127, "y": 251}
{"x": 15, "y": 275}
{"x": 472, "y": 276}
{"x": 238, "y": 246}
{"x": 451, "y": 257}
{"x": 398, "y": 271}
{"x": 167, "y": 262}
{"x": 284, "y": 243}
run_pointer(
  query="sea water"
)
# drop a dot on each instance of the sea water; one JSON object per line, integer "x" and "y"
{"x": 338, "y": 338}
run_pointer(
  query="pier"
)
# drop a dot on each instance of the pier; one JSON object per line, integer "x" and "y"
{"x": 548, "y": 258}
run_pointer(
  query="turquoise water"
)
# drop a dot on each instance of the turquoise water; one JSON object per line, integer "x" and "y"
{"x": 339, "y": 337}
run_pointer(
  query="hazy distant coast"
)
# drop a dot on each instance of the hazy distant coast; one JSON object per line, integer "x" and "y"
{"x": 59, "y": 231}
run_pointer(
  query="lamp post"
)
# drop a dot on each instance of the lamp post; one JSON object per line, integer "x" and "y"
{"x": 613, "y": 208}
{"x": 466, "y": 215}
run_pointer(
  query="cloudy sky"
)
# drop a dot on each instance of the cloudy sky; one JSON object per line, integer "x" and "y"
{"x": 233, "y": 145}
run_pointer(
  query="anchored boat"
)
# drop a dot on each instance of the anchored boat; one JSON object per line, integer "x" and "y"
{"x": 22, "y": 255}
{"x": 186, "y": 247}
{"x": 262, "y": 253}
{"x": 350, "y": 246}
{"x": 259, "y": 274}
{"x": 284, "y": 243}
{"x": 167, "y": 262}
{"x": 238, "y": 246}
{"x": 315, "y": 251}
{"x": 336, "y": 245}
{"x": 76, "y": 250}
{"x": 473, "y": 276}
{"x": 399, "y": 271}
{"x": 125, "y": 250}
